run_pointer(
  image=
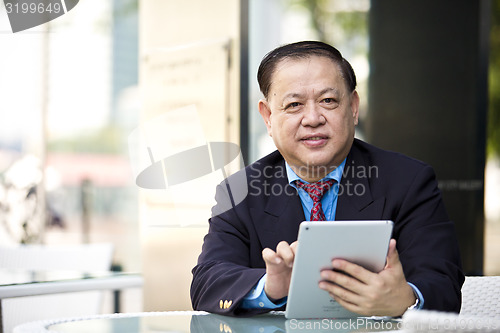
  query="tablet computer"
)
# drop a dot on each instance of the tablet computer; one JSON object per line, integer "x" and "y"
{"x": 362, "y": 242}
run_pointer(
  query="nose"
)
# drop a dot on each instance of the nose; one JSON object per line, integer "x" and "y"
{"x": 313, "y": 116}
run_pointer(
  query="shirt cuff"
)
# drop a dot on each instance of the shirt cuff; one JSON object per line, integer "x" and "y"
{"x": 419, "y": 295}
{"x": 257, "y": 298}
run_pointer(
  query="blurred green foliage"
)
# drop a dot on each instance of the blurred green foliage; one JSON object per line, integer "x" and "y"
{"x": 106, "y": 140}
{"x": 338, "y": 26}
{"x": 493, "y": 140}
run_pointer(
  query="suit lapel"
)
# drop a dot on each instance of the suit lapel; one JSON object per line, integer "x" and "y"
{"x": 355, "y": 200}
{"x": 287, "y": 214}
{"x": 282, "y": 213}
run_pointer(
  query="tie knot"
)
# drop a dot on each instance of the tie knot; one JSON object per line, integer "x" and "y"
{"x": 316, "y": 190}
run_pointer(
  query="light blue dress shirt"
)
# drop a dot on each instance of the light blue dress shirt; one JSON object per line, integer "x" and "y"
{"x": 257, "y": 298}
{"x": 329, "y": 199}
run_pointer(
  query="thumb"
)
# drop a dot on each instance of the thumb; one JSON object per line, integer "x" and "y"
{"x": 392, "y": 255}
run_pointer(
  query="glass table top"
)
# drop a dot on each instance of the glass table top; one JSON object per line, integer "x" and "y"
{"x": 202, "y": 322}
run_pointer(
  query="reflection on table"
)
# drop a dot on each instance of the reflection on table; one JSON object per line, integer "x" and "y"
{"x": 201, "y": 322}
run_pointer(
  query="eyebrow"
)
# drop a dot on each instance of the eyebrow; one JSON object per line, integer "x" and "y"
{"x": 293, "y": 95}
{"x": 335, "y": 91}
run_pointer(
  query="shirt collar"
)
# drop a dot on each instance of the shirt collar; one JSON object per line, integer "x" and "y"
{"x": 335, "y": 174}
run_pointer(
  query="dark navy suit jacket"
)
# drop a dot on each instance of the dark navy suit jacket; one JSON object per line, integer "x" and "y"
{"x": 376, "y": 185}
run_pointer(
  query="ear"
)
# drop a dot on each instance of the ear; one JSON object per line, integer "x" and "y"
{"x": 355, "y": 106}
{"x": 265, "y": 112}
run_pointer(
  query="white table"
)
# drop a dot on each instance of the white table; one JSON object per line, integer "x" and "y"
{"x": 17, "y": 283}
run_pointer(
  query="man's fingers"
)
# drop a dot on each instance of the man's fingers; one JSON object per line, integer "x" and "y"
{"x": 353, "y": 270}
{"x": 285, "y": 252}
{"x": 341, "y": 293}
{"x": 343, "y": 281}
{"x": 270, "y": 257}
{"x": 278, "y": 270}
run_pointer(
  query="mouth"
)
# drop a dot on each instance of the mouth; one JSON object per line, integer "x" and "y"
{"x": 316, "y": 140}
{"x": 315, "y": 136}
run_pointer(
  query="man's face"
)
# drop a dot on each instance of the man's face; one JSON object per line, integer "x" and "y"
{"x": 311, "y": 115}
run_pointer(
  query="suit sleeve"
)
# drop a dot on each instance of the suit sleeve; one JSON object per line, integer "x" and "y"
{"x": 224, "y": 274}
{"x": 427, "y": 244}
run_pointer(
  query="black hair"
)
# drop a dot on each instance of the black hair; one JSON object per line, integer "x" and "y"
{"x": 303, "y": 49}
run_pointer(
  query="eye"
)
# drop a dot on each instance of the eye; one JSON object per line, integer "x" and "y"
{"x": 292, "y": 105}
{"x": 330, "y": 102}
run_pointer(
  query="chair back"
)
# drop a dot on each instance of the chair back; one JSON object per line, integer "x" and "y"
{"x": 481, "y": 296}
{"x": 81, "y": 257}
{"x": 78, "y": 257}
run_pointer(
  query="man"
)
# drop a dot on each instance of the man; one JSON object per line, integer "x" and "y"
{"x": 310, "y": 108}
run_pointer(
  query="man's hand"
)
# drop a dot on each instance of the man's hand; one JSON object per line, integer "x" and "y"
{"x": 370, "y": 294}
{"x": 278, "y": 269}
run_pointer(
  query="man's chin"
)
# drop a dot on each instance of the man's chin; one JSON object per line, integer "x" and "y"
{"x": 315, "y": 160}
{"x": 318, "y": 165}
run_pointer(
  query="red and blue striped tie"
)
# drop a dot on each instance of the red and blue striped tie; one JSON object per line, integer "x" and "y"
{"x": 316, "y": 191}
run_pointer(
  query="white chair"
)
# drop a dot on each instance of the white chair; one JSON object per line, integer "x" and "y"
{"x": 424, "y": 321}
{"x": 481, "y": 296}
{"x": 81, "y": 257}
{"x": 480, "y": 310}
